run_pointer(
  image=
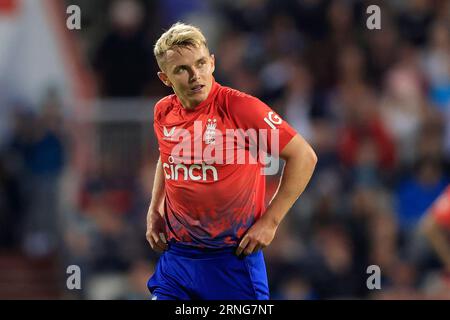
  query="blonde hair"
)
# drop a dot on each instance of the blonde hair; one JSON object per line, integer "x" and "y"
{"x": 179, "y": 35}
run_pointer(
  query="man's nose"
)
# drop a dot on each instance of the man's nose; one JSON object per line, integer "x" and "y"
{"x": 194, "y": 74}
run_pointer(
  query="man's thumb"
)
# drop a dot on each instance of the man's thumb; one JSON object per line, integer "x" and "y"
{"x": 162, "y": 236}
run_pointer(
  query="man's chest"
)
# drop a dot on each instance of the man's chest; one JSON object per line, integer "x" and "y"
{"x": 208, "y": 137}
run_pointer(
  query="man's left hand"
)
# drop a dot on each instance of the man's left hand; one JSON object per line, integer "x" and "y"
{"x": 259, "y": 236}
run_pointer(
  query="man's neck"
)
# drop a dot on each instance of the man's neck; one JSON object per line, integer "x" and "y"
{"x": 189, "y": 106}
{"x": 192, "y": 105}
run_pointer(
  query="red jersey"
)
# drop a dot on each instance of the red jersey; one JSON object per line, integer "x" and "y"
{"x": 441, "y": 209}
{"x": 214, "y": 180}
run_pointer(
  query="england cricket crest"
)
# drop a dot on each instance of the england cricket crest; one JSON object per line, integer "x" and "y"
{"x": 210, "y": 133}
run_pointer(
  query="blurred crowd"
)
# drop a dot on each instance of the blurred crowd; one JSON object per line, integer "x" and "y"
{"x": 374, "y": 104}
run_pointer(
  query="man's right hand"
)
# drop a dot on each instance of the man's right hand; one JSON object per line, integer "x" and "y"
{"x": 156, "y": 231}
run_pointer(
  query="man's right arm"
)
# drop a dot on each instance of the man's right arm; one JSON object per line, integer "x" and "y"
{"x": 156, "y": 226}
{"x": 158, "y": 188}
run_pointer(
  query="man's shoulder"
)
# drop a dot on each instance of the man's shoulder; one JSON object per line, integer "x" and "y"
{"x": 234, "y": 98}
{"x": 234, "y": 93}
{"x": 164, "y": 104}
{"x": 165, "y": 101}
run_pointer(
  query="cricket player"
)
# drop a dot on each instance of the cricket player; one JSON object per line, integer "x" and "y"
{"x": 208, "y": 215}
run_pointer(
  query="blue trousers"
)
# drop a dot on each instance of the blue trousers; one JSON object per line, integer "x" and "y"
{"x": 189, "y": 273}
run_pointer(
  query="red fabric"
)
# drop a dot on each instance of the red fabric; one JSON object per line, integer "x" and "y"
{"x": 201, "y": 210}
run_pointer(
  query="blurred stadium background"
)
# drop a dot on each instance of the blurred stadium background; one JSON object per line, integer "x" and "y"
{"x": 77, "y": 149}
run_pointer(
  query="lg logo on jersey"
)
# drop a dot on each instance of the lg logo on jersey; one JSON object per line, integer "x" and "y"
{"x": 273, "y": 119}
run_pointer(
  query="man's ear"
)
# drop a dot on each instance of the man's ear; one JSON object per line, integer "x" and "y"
{"x": 164, "y": 78}
{"x": 213, "y": 59}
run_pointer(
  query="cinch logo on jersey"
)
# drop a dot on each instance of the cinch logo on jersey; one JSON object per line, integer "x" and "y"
{"x": 193, "y": 172}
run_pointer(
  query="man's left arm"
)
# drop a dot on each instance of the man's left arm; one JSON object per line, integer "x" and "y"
{"x": 300, "y": 161}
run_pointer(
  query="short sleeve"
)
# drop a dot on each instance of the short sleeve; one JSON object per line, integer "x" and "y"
{"x": 249, "y": 112}
{"x": 156, "y": 121}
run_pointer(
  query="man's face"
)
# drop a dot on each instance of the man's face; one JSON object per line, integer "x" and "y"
{"x": 189, "y": 71}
